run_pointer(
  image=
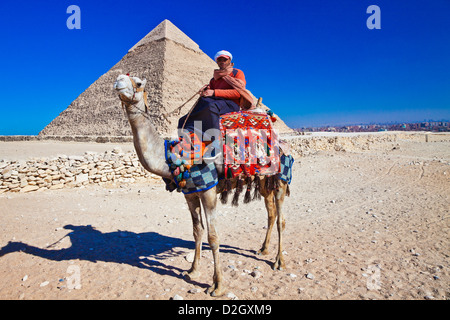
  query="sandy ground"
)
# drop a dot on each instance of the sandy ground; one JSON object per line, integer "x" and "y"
{"x": 359, "y": 225}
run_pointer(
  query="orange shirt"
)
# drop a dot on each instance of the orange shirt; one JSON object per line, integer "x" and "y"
{"x": 223, "y": 90}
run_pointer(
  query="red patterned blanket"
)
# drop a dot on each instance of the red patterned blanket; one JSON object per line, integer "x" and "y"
{"x": 250, "y": 145}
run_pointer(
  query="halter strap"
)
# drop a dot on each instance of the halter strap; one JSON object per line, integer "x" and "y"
{"x": 136, "y": 89}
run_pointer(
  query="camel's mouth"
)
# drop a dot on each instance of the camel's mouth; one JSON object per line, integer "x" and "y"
{"x": 119, "y": 85}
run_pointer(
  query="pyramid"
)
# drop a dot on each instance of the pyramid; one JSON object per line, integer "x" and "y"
{"x": 175, "y": 68}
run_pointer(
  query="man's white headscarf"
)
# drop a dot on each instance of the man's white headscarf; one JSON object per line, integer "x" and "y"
{"x": 223, "y": 53}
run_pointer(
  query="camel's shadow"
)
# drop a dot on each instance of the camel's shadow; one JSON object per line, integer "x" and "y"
{"x": 148, "y": 250}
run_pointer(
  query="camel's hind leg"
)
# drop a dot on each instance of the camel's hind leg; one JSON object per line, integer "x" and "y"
{"x": 274, "y": 200}
{"x": 271, "y": 217}
{"x": 279, "y": 199}
{"x": 195, "y": 209}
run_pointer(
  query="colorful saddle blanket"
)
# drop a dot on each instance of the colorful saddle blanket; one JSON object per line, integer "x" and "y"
{"x": 190, "y": 174}
{"x": 286, "y": 162}
{"x": 250, "y": 145}
{"x": 250, "y": 148}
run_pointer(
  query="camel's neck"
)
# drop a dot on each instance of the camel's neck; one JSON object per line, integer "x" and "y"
{"x": 148, "y": 144}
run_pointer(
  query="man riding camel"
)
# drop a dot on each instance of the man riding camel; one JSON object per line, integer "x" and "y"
{"x": 225, "y": 93}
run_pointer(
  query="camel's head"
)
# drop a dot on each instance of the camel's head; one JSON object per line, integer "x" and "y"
{"x": 130, "y": 89}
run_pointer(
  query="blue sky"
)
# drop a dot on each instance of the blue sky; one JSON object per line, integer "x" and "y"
{"x": 314, "y": 62}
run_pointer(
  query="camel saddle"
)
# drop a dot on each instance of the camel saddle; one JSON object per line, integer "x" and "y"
{"x": 250, "y": 150}
{"x": 250, "y": 145}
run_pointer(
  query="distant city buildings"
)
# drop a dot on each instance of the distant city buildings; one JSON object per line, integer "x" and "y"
{"x": 432, "y": 126}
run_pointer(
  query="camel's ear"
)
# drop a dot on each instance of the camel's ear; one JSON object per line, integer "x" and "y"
{"x": 144, "y": 82}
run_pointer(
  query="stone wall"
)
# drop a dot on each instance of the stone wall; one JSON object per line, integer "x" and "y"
{"x": 75, "y": 138}
{"x": 306, "y": 145}
{"x": 71, "y": 171}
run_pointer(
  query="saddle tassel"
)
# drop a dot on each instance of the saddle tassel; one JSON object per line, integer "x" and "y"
{"x": 257, "y": 185}
{"x": 239, "y": 188}
{"x": 247, "y": 197}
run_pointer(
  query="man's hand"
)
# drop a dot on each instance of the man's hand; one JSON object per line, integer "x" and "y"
{"x": 207, "y": 93}
{"x": 206, "y": 86}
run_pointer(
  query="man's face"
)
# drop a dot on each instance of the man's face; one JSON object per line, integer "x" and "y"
{"x": 223, "y": 62}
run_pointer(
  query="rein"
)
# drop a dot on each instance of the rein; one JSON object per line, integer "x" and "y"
{"x": 125, "y": 100}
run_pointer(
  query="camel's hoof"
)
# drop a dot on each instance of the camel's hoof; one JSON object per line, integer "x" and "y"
{"x": 276, "y": 266}
{"x": 263, "y": 252}
{"x": 216, "y": 291}
{"x": 279, "y": 265}
{"x": 191, "y": 275}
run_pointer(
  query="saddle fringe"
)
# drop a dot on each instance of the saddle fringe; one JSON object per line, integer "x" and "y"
{"x": 247, "y": 197}
{"x": 271, "y": 183}
{"x": 239, "y": 188}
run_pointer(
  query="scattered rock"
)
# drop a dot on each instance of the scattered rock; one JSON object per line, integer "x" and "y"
{"x": 232, "y": 267}
{"x": 256, "y": 274}
{"x": 310, "y": 276}
{"x": 177, "y": 297}
{"x": 232, "y": 296}
{"x": 190, "y": 257}
{"x": 194, "y": 290}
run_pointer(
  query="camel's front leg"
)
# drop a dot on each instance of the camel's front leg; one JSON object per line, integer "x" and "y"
{"x": 209, "y": 201}
{"x": 194, "y": 207}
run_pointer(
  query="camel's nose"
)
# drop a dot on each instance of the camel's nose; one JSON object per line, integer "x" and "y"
{"x": 119, "y": 85}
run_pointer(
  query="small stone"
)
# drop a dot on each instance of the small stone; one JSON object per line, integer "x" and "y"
{"x": 82, "y": 178}
{"x": 310, "y": 276}
{"x": 177, "y": 297}
{"x": 117, "y": 150}
{"x": 29, "y": 188}
{"x": 256, "y": 274}
{"x": 194, "y": 290}
{"x": 232, "y": 296}
{"x": 76, "y": 158}
{"x": 43, "y": 284}
{"x": 56, "y": 186}
{"x": 190, "y": 257}
{"x": 25, "y": 278}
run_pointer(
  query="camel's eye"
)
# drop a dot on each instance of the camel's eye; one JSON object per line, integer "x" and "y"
{"x": 139, "y": 84}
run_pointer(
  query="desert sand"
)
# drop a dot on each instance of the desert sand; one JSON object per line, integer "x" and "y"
{"x": 370, "y": 224}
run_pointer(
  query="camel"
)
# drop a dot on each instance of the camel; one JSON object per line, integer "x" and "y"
{"x": 149, "y": 147}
